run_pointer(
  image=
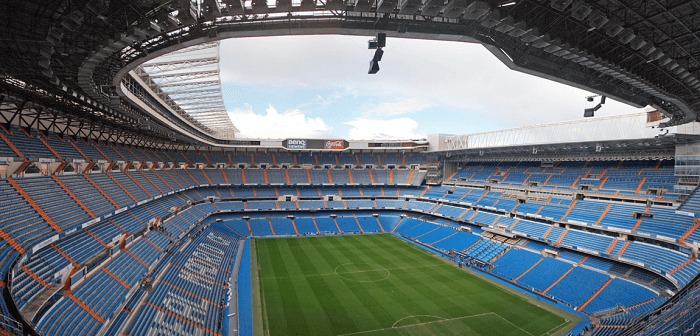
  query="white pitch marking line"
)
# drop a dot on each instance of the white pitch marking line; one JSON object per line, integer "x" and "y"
{"x": 441, "y": 319}
{"x": 417, "y": 324}
{"x": 383, "y": 268}
{"x": 523, "y": 330}
{"x": 550, "y": 330}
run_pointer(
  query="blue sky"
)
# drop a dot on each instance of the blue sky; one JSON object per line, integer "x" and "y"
{"x": 318, "y": 87}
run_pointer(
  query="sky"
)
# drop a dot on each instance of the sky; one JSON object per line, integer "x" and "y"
{"x": 318, "y": 87}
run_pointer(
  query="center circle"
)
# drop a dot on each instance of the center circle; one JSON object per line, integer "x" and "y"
{"x": 362, "y": 272}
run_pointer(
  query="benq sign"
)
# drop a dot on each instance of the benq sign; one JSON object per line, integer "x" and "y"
{"x": 296, "y": 144}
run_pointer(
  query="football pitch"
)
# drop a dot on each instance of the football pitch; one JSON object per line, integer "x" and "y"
{"x": 381, "y": 285}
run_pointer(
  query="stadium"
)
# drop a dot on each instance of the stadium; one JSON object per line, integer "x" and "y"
{"x": 130, "y": 205}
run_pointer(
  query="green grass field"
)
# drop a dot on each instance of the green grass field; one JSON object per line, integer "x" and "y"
{"x": 381, "y": 285}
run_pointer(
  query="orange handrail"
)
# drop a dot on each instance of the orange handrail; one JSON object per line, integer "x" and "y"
{"x": 336, "y": 223}
{"x": 11, "y": 241}
{"x": 99, "y": 150}
{"x": 100, "y": 190}
{"x": 603, "y": 214}
{"x": 571, "y": 207}
{"x": 548, "y": 231}
{"x": 295, "y": 227}
{"x": 121, "y": 186}
{"x": 72, "y": 195}
{"x": 597, "y": 292}
{"x": 116, "y": 278}
{"x": 135, "y": 257}
{"x": 138, "y": 184}
{"x": 120, "y": 154}
{"x": 624, "y": 247}
{"x": 271, "y": 228}
{"x": 95, "y": 237}
{"x": 690, "y": 231}
{"x": 161, "y": 178}
{"x": 70, "y": 260}
{"x": 192, "y": 177}
{"x": 380, "y": 223}
{"x": 611, "y": 247}
{"x": 397, "y": 223}
{"x": 561, "y": 277}
{"x": 472, "y": 245}
{"x": 358, "y": 221}
{"x": 176, "y": 182}
{"x": 528, "y": 270}
{"x": 224, "y": 174}
{"x": 34, "y": 205}
{"x": 33, "y": 276}
{"x": 11, "y": 145}
{"x": 205, "y": 175}
{"x": 79, "y": 151}
{"x": 640, "y": 185}
{"x": 86, "y": 308}
{"x": 562, "y": 236}
{"x": 151, "y": 182}
{"x": 49, "y": 147}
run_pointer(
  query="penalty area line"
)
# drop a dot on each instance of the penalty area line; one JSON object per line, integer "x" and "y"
{"x": 419, "y": 324}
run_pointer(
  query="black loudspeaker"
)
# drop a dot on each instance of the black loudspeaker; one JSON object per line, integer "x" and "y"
{"x": 381, "y": 40}
{"x": 373, "y": 67}
{"x": 378, "y": 55}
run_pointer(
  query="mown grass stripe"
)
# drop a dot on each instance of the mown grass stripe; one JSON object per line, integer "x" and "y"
{"x": 304, "y": 295}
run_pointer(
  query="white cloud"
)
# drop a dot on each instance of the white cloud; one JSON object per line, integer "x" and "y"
{"x": 399, "y": 128}
{"x": 275, "y": 125}
{"x": 415, "y": 75}
{"x": 401, "y": 106}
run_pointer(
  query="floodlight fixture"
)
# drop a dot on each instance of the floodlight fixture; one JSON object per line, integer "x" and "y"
{"x": 378, "y": 55}
{"x": 590, "y": 112}
{"x": 373, "y": 67}
{"x": 377, "y": 43}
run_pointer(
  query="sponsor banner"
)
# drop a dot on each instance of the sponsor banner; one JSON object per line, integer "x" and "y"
{"x": 654, "y": 116}
{"x": 37, "y": 247}
{"x": 315, "y": 144}
{"x": 689, "y": 214}
{"x": 271, "y": 143}
{"x": 296, "y": 144}
{"x": 244, "y": 143}
{"x": 354, "y": 144}
{"x": 387, "y": 144}
{"x": 333, "y": 144}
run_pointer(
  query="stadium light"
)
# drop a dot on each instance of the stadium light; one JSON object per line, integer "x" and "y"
{"x": 377, "y": 43}
{"x": 589, "y": 112}
{"x": 374, "y": 63}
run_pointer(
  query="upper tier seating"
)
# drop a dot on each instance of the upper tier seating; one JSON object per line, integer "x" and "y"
{"x": 632, "y": 178}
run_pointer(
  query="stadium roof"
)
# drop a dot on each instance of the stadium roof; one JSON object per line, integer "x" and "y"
{"x": 81, "y": 53}
{"x": 189, "y": 81}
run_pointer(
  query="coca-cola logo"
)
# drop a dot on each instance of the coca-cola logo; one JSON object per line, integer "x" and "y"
{"x": 334, "y": 144}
